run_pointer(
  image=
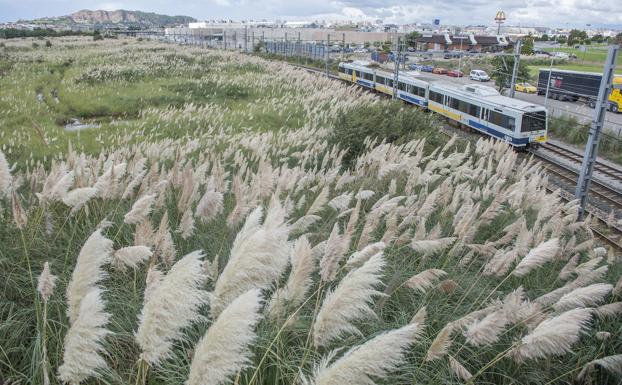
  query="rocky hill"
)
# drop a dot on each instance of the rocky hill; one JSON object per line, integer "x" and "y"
{"x": 119, "y": 17}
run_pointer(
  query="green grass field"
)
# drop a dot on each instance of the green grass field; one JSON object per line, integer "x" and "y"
{"x": 236, "y": 220}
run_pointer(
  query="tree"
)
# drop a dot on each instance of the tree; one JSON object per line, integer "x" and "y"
{"x": 598, "y": 38}
{"x": 502, "y": 71}
{"x": 411, "y": 38}
{"x": 576, "y": 36}
{"x": 562, "y": 39}
{"x": 618, "y": 38}
{"x": 97, "y": 35}
{"x": 527, "y": 46}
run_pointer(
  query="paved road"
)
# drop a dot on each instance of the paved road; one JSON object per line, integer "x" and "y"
{"x": 583, "y": 113}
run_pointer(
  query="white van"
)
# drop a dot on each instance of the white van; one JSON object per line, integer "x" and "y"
{"x": 479, "y": 75}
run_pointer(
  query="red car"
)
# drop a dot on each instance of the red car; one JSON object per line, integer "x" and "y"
{"x": 439, "y": 70}
{"x": 455, "y": 74}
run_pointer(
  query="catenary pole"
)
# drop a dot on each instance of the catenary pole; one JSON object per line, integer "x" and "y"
{"x": 515, "y": 69}
{"x": 591, "y": 149}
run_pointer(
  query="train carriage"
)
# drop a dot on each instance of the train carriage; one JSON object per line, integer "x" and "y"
{"x": 480, "y": 107}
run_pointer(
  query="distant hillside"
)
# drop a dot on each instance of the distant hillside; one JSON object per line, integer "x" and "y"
{"x": 121, "y": 17}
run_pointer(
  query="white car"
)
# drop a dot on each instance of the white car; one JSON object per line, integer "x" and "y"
{"x": 479, "y": 75}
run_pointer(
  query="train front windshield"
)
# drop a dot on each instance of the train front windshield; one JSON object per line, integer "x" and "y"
{"x": 534, "y": 121}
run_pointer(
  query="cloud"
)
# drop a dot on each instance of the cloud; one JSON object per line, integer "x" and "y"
{"x": 464, "y": 12}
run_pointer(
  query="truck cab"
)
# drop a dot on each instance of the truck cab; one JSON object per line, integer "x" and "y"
{"x": 615, "y": 97}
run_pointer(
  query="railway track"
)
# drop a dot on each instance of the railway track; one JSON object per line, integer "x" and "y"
{"x": 611, "y": 235}
{"x": 574, "y": 157}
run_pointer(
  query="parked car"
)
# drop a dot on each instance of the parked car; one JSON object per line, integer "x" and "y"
{"x": 479, "y": 75}
{"x": 455, "y": 74}
{"x": 525, "y": 87}
{"x": 427, "y": 68}
{"x": 439, "y": 70}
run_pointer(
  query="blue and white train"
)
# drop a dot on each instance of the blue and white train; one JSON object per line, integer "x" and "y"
{"x": 479, "y": 107}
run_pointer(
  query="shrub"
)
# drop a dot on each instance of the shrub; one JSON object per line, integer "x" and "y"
{"x": 386, "y": 121}
{"x": 48, "y": 43}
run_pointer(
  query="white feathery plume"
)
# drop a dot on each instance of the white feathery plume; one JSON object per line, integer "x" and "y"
{"x": 300, "y": 278}
{"x": 340, "y": 202}
{"x": 569, "y": 268}
{"x": 420, "y": 316}
{"x": 224, "y": 349}
{"x": 613, "y": 364}
{"x": 303, "y": 223}
{"x": 210, "y": 205}
{"x": 140, "y": 209}
{"x": 583, "y": 296}
{"x": 441, "y": 343}
{"x": 373, "y": 359}
{"x": 82, "y": 357}
{"x": 319, "y": 202}
{"x": 459, "y": 370}
{"x": 131, "y": 256}
{"x": 186, "y": 224}
{"x": 609, "y": 310}
{"x": 425, "y": 280}
{"x": 358, "y": 258}
{"x": 153, "y": 280}
{"x": 537, "y": 257}
{"x": 432, "y": 246}
{"x": 164, "y": 247}
{"x": 333, "y": 253}
{"x": 258, "y": 256}
{"x": 46, "y": 283}
{"x": 349, "y": 302}
{"x": 5, "y": 175}
{"x": 95, "y": 253}
{"x": 486, "y": 331}
{"x": 19, "y": 215}
{"x": 553, "y": 336}
{"x": 602, "y": 336}
{"x": 171, "y": 305}
{"x": 364, "y": 194}
{"x": 77, "y": 198}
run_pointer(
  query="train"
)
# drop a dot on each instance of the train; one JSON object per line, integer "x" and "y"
{"x": 566, "y": 85}
{"x": 479, "y": 107}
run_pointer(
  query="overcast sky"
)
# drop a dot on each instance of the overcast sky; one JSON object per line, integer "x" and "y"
{"x": 559, "y": 13}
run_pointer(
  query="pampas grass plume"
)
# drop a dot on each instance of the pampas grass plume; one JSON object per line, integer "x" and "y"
{"x": 223, "y": 350}
{"x": 373, "y": 359}
{"x": 583, "y": 296}
{"x": 140, "y": 209}
{"x": 171, "y": 305}
{"x": 131, "y": 256}
{"x": 349, "y": 302}
{"x": 46, "y": 283}
{"x": 553, "y": 336}
{"x": 537, "y": 257}
{"x": 82, "y": 357}
{"x": 95, "y": 253}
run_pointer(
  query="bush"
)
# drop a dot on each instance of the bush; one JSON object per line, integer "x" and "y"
{"x": 388, "y": 121}
{"x": 48, "y": 43}
{"x": 35, "y": 45}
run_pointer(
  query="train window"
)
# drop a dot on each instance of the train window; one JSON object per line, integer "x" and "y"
{"x": 501, "y": 120}
{"x": 419, "y": 91}
{"x": 473, "y": 110}
{"x": 403, "y": 86}
{"x": 358, "y": 74}
{"x": 436, "y": 97}
{"x": 534, "y": 121}
{"x": 368, "y": 76}
{"x": 349, "y": 71}
{"x": 342, "y": 70}
{"x": 388, "y": 82}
